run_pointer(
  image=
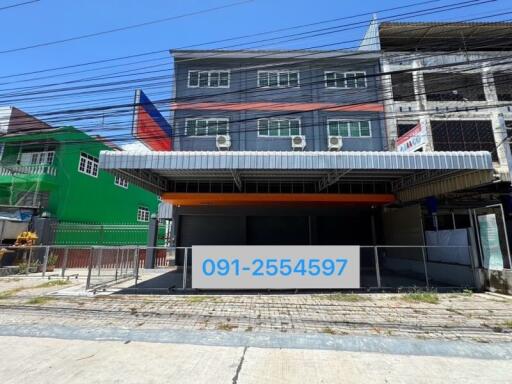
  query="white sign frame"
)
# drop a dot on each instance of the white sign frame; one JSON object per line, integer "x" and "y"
{"x": 310, "y": 267}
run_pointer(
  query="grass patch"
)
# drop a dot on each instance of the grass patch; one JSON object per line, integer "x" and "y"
{"x": 39, "y": 300}
{"x": 199, "y": 299}
{"x": 349, "y": 297}
{"x": 10, "y": 293}
{"x": 508, "y": 324}
{"x": 226, "y": 327}
{"x": 53, "y": 283}
{"x": 422, "y": 297}
{"x": 328, "y": 331}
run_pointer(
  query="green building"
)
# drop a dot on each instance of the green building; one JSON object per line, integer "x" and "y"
{"x": 57, "y": 171}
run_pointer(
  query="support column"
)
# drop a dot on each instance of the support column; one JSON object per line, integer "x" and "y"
{"x": 389, "y": 106}
{"x": 498, "y": 125}
{"x": 422, "y": 103}
{"x": 152, "y": 239}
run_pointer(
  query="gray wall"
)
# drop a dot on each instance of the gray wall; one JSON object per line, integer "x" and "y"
{"x": 243, "y": 88}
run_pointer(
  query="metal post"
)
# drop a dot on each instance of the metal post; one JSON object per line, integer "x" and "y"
{"x": 91, "y": 254}
{"x": 100, "y": 260}
{"x": 117, "y": 263}
{"x": 425, "y": 265}
{"x": 29, "y": 260}
{"x": 505, "y": 233}
{"x": 185, "y": 268}
{"x": 136, "y": 266}
{"x": 377, "y": 267}
{"x": 45, "y": 260}
{"x": 64, "y": 262}
{"x": 472, "y": 250}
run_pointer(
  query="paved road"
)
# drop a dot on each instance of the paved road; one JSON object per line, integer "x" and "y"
{"x": 45, "y": 360}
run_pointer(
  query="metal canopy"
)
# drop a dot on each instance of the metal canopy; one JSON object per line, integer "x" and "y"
{"x": 405, "y": 171}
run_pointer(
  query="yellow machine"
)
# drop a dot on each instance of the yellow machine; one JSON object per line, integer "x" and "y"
{"x": 26, "y": 239}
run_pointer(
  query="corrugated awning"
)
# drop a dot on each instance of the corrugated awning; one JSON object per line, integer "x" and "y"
{"x": 227, "y": 160}
{"x": 403, "y": 170}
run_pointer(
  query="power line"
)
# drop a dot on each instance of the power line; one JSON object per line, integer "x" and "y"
{"x": 139, "y": 25}
{"x": 18, "y": 4}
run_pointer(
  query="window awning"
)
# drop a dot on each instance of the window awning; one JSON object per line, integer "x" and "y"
{"x": 437, "y": 172}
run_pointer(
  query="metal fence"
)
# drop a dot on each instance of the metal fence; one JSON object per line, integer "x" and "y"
{"x": 382, "y": 267}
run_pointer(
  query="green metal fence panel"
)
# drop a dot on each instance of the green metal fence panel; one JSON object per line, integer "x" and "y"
{"x": 67, "y": 233}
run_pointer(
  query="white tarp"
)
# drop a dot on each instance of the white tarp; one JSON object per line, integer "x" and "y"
{"x": 456, "y": 250}
{"x": 490, "y": 241}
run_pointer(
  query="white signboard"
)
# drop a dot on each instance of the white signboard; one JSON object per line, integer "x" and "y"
{"x": 275, "y": 267}
{"x": 490, "y": 241}
{"x": 413, "y": 139}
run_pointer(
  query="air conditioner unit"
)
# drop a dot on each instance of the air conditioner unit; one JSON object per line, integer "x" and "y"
{"x": 335, "y": 143}
{"x": 298, "y": 142}
{"x": 223, "y": 142}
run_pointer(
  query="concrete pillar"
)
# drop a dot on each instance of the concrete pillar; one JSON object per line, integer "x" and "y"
{"x": 42, "y": 226}
{"x": 421, "y": 101}
{"x": 389, "y": 106}
{"x": 498, "y": 124}
{"x": 152, "y": 242}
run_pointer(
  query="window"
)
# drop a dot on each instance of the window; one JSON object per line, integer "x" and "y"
{"x": 278, "y": 127}
{"x": 206, "y": 127}
{"x": 143, "y": 214}
{"x": 345, "y": 79}
{"x": 37, "y": 158}
{"x": 345, "y": 128}
{"x": 120, "y": 182}
{"x": 403, "y": 86}
{"x": 454, "y": 86}
{"x": 463, "y": 135}
{"x": 405, "y": 126}
{"x": 88, "y": 165}
{"x": 208, "y": 79}
{"x": 278, "y": 79}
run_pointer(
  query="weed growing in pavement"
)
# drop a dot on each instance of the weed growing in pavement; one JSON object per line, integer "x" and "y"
{"x": 39, "y": 300}
{"x": 422, "y": 297}
{"x": 508, "y": 324}
{"x": 328, "y": 331}
{"x": 53, "y": 283}
{"x": 350, "y": 297}
{"x": 226, "y": 327}
{"x": 467, "y": 292}
{"x": 10, "y": 293}
{"x": 200, "y": 299}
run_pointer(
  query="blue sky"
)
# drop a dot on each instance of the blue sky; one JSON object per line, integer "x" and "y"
{"x": 49, "y": 20}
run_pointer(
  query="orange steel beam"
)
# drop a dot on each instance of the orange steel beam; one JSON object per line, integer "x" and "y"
{"x": 194, "y": 199}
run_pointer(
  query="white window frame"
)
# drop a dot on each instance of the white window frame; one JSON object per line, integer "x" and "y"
{"x": 143, "y": 214}
{"x": 349, "y": 133}
{"x": 41, "y": 155}
{"x": 94, "y": 164}
{"x": 121, "y": 182}
{"x": 278, "y": 136}
{"x": 345, "y": 79}
{"x": 277, "y": 72}
{"x": 209, "y": 71}
{"x": 225, "y": 119}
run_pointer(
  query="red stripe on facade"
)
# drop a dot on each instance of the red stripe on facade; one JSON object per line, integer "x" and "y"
{"x": 285, "y": 107}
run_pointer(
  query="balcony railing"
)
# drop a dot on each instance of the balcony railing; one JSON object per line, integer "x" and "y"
{"x": 36, "y": 169}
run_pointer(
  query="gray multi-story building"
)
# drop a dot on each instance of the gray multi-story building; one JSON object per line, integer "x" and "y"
{"x": 261, "y": 99}
{"x": 376, "y": 146}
